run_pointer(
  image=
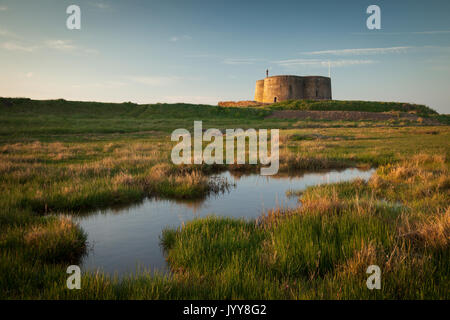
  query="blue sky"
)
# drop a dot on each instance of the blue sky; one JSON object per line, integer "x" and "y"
{"x": 207, "y": 51}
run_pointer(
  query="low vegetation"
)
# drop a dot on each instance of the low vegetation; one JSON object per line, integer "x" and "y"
{"x": 339, "y": 105}
{"x": 59, "y": 159}
{"x": 321, "y": 249}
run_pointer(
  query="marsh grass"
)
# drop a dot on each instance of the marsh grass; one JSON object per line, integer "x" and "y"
{"x": 368, "y": 106}
{"x": 339, "y": 230}
{"x": 62, "y": 158}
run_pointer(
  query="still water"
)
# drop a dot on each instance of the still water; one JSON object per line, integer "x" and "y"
{"x": 120, "y": 240}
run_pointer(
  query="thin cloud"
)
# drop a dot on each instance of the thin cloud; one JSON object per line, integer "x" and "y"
{"x": 317, "y": 62}
{"x": 7, "y": 33}
{"x": 202, "y": 56}
{"x": 154, "y": 80}
{"x": 100, "y": 5}
{"x": 344, "y": 63}
{"x": 101, "y": 85}
{"x": 361, "y": 51}
{"x": 3, "y": 8}
{"x": 178, "y": 38}
{"x": 13, "y": 46}
{"x": 437, "y": 49}
{"x": 433, "y": 32}
{"x": 240, "y": 61}
{"x": 190, "y": 99}
{"x": 68, "y": 46}
{"x": 401, "y": 33}
{"x": 62, "y": 45}
{"x": 90, "y": 51}
{"x": 297, "y": 62}
{"x": 58, "y": 45}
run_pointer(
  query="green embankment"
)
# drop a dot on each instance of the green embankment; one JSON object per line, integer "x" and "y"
{"x": 349, "y": 105}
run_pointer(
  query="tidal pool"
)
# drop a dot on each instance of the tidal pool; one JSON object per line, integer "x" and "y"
{"x": 121, "y": 240}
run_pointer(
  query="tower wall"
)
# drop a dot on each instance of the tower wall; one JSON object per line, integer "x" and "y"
{"x": 259, "y": 91}
{"x": 317, "y": 88}
{"x": 281, "y": 88}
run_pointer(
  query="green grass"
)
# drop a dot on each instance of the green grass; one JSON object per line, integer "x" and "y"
{"x": 61, "y": 157}
{"x": 21, "y": 118}
{"x": 61, "y": 120}
{"x": 322, "y": 249}
{"x": 337, "y": 105}
{"x": 443, "y": 118}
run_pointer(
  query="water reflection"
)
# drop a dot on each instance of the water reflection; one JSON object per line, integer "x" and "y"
{"x": 123, "y": 238}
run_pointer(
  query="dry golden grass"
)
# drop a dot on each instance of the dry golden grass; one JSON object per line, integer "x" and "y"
{"x": 54, "y": 239}
{"x": 358, "y": 262}
{"x": 50, "y": 232}
{"x": 192, "y": 178}
{"x": 159, "y": 171}
{"x": 123, "y": 178}
{"x": 432, "y": 232}
{"x": 422, "y": 184}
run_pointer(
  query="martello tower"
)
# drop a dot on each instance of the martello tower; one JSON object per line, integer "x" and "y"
{"x": 280, "y": 88}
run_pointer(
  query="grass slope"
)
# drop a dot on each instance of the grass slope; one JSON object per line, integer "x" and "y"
{"x": 342, "y": 105}
{"x": 44, "y": 119}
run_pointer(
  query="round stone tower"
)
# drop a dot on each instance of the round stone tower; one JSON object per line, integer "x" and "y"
{"x": 281, "y": 88}
{"x": 259, "y": 91}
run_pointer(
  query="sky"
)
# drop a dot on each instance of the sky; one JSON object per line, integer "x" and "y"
{"x": 209, "y": 51}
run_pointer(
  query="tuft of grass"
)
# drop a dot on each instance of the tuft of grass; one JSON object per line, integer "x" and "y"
{"x": 431, "y": 232}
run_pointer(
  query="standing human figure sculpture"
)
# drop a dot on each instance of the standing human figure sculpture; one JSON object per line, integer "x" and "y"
{"x": 267, "y": 73}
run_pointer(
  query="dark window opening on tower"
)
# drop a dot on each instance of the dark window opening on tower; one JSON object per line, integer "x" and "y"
{"x": 275, "y": 99}
{"x": 317, "y": 93}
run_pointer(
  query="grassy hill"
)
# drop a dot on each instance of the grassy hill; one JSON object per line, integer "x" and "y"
{"x": 61, "y": 107}
{"x": 99, "y": 110}
{"x": 343, "y": 105}
{"x": 22, "y": 117}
